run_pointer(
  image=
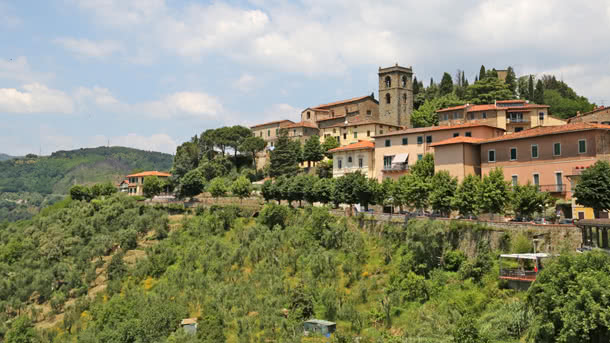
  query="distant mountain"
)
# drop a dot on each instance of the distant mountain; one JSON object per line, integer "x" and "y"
{"x": 58, "y": 172}
{"x": 4, "y": 157}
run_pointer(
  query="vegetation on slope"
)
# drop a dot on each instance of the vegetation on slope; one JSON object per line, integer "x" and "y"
{"x": 256, "y": 280}
{"x": 4, "y": 157}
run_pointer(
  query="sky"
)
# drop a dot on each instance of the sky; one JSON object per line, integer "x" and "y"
{"x": 150, "y": 74}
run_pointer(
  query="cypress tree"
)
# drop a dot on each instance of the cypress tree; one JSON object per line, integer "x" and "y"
{"x": 415, "y": 86}
{"x": 530, "y": 89}
{"x": 539, "y": 93}
{"x": 511, "y": 80}
{"x": 284, "y": 161}
{"x": 446, "y": 86}
{"x": 482, "y": 72}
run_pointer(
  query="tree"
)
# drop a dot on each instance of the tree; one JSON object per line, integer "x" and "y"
{"x": 216, "y": 167}
{"x": 366, "y": 190}
{"x": 116, "y": 268}
{"x": 488, "y": 90}
{"x": 309, "y": 193}
{"x": 526, "y": 200}
{"x": 482, "y": 73}
{"x": 152, "y": 186}
{"x": 466, "y": 196}
{"x": 443, "y": 190}
{"x": 218, "y": 187}
{"x": 21, "y": 331}
{"x": 511, "y": 80}
{"x": 424, "y": 168}
{"x": 493, "y": 195}
{"x": 191, "y": 184}
{"x": 80, "y": 192}
{"x": 267, "y": 190}
{"x": 312, "y": 151}
{"x": 236, "y": 136}
{"x": 241, "y": 187}
{"x": 466, "y": 332}
{"x": 426, "y": 115}
{"x": 413, "y": 190}
{"x": 530, "y": 88}
{"x": 253, "y": 145}
{"x": 416, "y": 88}
{"x": 186, "y": 159}
{"x": 283, "y": 158}
{"x": 446, "y": 86}
{"x": 570, "y": 299}
{"x": 324, "y": 189}
{"x": 329, "y": 143}
{"x": 539, "y": 93}
{"x": 593, "y": 187}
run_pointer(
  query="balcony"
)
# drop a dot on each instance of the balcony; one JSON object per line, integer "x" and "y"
{"x": 395, "y": 168}
{"x": 558, "y": 188}
{"x": 517, "y": 120}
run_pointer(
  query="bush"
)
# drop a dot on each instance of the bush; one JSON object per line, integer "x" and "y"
{"x": 453, "y": 259}
{"x": 272, "y": 215}
{"x": 129, "y": 239}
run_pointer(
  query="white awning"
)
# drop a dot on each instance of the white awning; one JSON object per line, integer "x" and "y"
{"x": 400, "y": 158}
{"x": 526, "y": 256}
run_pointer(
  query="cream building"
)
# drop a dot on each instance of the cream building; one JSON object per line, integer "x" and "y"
{"x": 135, "y": 182}
{"x": 354, "y": 157}
{"x": 349, "y": 133}
{"x": 510, "y": 115}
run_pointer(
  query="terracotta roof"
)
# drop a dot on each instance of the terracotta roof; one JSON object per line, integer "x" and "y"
{"x": 315, "y": 109}
{"x": 527, "y": 107}
{"x": 547, "y": 130}
{"x": 272, "y": 122}
{"x": 362, "y": 122}
{"x": 302, "y": 124}
{"x": 599, "y": 109}
{"x": 188, "y": 321}
{"x": 341, "y": 102}
{"x": 150, "y": 173}
{"x": 336, "y": 117}
{"x": 361, "y": 145}
{"x": 458, "y": 140}
{"x": 460, "y": 107}
{"x": 486, "y": 107}
{"x": 437, "y": 128}
{"x": 509, "y": 101}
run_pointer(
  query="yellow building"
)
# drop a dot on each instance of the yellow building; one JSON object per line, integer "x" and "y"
{"x": 136, "y": 181}
{"x": 348, "y": 133}
{"x": 354, "y": 157}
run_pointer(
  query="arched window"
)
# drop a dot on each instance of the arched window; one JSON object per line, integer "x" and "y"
{"x": 404, "y": 81}
{"x": 388, "y": 98}
{"x": 388, "y": 81}
{"x": 404, "y": 98}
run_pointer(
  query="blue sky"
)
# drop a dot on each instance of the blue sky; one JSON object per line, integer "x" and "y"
{"x": 152, "y": 73}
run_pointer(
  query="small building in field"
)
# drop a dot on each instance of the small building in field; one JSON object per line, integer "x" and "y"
{"x": 189, "y": 325}
{"x": 136, "y": 181}
{"x": 319, "y": 327}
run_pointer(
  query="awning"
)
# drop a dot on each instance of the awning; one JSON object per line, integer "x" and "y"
{"x": 400, "y": 158}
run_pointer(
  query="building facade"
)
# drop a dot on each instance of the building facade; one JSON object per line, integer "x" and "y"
{"x": 600, "y": 115}
{"x": 354, "y": 157}
{"x": 136, "y": 181}
{"x": 348, "y": 133}
{"x": 460, "y": 156}
{"x": 396, "y": 95}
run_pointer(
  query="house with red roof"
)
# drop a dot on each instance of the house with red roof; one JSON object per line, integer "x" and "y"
{"x": 135, "y": 182}
{"x": 354, "y": 157}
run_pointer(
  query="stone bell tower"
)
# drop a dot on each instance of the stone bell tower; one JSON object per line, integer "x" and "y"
{"x": 396, "y": 95}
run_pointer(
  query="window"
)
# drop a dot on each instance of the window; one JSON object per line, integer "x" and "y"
{"x": 404, "y": 98}
{"x": 458, "y": 115}
{"x": 349, "y": 159}
{"x": 420, "y": 139}
{"x": 405, "y": 141}
{"x": 388, "y": 81}
{"x": 559, "y": 181}
{"x": 388, "y": 98}
{"x": 534, "y": 150}
{"x": 381, "y": 132}
{"x": 268, "y": 133}
{"x": 471, "y": 116}
{"x": 387, "y": 161}
{"x": 339, "y": 164}
{"x": 484, "y": 115}
{"x": 345, "y": 136}
{"x": 468, "y": 134}
{"x": 428, "y": 139}
{"x": 445, "y": 116}
{"x": 368, "y": 133}
{"x": 368, "y": 112}
{"x": 582, "y": 146}
{"x": 355, "y": 134}
{"x": 388, "y": 142}
{"x": 294, "y": 132}
{"x": 277, "y": 131}
{"x": 271, "y": 143}
{"x": 260, "y": 134}
{"x": 515, "y": 180}
{"x": 360, "y": 162}
{"x": 308, "y": 115}
{"x": 513, "y": 154}
{"x": 541, "y": 116}
{"x": 518, "y": 129}
{"x": 491, "y": 156}
{"x": 334, "y": 130}
{"x": 557, "y": 149}
{"x": 420, "y": 156}
{"x": 536, "y": 180}
{"x": 404, "y": 82}
{"x": 456, "y": 134}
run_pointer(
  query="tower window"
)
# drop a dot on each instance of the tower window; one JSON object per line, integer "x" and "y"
{"x": 404, "y": 81}
{"x": 388, "y": 98}
{"x": 368, "y": 112}
{"x": 404, "y": 98}
{"x": 388, "y": 81}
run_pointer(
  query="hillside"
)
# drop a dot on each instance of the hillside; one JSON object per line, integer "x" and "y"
{"x": 4, "y": 157}
{"x": 256, "y": 279}
{"x": 58, "y": 172}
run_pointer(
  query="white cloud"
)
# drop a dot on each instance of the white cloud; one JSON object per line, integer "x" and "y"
{"x": 246, "y": 83}
{"x": 156, "y": 142}
{"x": 88, "y": 48}
{"x": 98, "y": 95}
{"x": 181, "y": 105}
{"x": 35, "y": 98}
{"x": 274, "y": 112}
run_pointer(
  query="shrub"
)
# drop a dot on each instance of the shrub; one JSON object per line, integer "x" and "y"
{"x": 272, "y": 215}
{"x": 453, "y": 259}
{"x": 129, "y": 239}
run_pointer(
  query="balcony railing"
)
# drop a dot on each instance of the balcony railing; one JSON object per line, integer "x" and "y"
{"x": 562, "y": 188}
{"x": 396, "y": 167}
{"x": 518, "y": 274}
{"x": 517, "y": 120}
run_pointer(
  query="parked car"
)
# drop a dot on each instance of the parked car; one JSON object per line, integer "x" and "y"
{"x": 520, "y": 220}
{"x": 470, "y": 217}
{"x": 541, "y": 221}
{"x": 566, "y": 221}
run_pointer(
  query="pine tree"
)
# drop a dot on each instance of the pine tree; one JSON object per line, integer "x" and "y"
{"x": 284, "y": 161}
{"x": 482, "y": 73}
{"x": 530, "y": 88}
{"x": 446, "y": 86}
{"x": 539, "y": 93}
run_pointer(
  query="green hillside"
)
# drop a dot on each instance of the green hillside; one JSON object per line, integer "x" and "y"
{"x": 58, "y": 172}
{"x": 65, "y": 279}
